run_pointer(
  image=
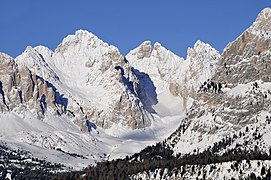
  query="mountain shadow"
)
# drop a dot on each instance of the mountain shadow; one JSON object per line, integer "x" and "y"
{"x": 146, "y": 90}
{"x": 59, "y": 98}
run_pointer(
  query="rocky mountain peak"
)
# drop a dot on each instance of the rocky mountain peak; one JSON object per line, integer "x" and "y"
{"x": 201, "y": 62}
{"x": 246, "y": 59}
{"x": 264, "y": 15}
{"x": 143, "y": 50}
{"x": 146, "y": 51}
{"x": 4, "y": 58}
{"x": 36, "y": 59}
{"x": 45, "y": 51}
{"x": 80, "y": 41}
{"x": 262, "y": 27}
{"x": 29, "y": 57}
{"x": 200, "y": 48}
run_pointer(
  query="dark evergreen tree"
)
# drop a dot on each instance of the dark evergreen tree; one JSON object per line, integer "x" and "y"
{"x": 263, "y": 171}
{"x": 253, "y": 176}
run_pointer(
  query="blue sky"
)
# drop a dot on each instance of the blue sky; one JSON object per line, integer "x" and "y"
{"x": 176, "y": 24}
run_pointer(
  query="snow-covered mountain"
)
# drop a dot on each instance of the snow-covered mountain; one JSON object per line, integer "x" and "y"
{"x": 84, "y": 102}
{"x": 88, "y": 72}
{"x": 80, "y": 103}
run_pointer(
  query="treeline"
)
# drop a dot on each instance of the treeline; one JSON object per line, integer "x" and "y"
{"x": 158, "y": 157}
{"x": 20, "y": 164}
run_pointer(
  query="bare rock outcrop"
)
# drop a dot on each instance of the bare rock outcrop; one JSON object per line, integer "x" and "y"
{"x": 21, "y": 88}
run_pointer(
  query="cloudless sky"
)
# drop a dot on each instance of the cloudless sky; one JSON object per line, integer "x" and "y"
{"x": 176, "y": 24}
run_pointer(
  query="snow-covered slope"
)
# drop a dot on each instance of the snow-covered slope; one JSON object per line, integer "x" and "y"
{"x": 80, "y": 103}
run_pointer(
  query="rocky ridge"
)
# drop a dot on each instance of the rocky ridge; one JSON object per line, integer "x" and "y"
{"x": 21, "y": 89}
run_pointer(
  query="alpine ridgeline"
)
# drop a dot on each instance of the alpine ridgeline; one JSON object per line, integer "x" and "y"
{"x": 86, "y": 101}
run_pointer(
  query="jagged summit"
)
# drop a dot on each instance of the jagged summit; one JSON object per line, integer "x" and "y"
{"x": 146, "y": 50}
{"x": 260, "y": 30}
{"x": 262, "y": 26}
{"x": 199, "y": 48}
{"x": 201, "y": 60}
{"x": 185, "y": 76}
{"x": 143, "y": 50}
{"x": 83, "y": 51}
{"x": 44, "y": 50}
{"x": 81, "y": 38}
{"x": 86, "y": 49}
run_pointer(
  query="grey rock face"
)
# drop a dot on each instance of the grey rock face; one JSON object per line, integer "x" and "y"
{"x": 247, "y": 58}
{"x": 244, "y": 61}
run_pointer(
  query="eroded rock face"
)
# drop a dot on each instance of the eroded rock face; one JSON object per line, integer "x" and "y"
{"x": 238, "y": 94}
{"x": 21, "y": 88}
{"x": 245, "y": 61}
{"x": 244, "y": 65}
{"x": 247, "y": 58}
